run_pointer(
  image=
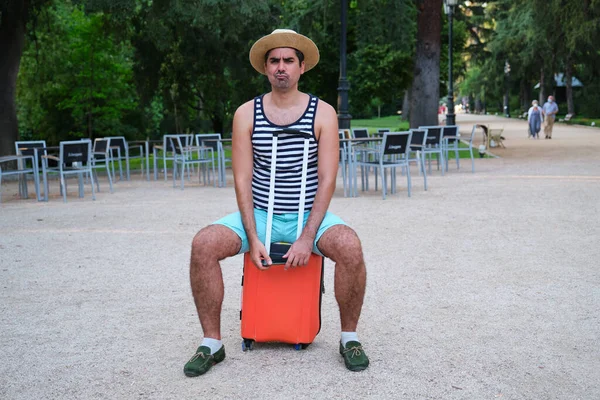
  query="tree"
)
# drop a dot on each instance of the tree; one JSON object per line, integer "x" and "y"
{"x": 425, "y": 92}
{"x": 14, "y": 15}
{"x": 193, "y": 56}
{"x": 75, "y": 78}
{"x": 381, "y": 57}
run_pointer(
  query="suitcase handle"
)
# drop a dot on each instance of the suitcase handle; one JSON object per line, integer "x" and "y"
{"x": 292, "y": 132}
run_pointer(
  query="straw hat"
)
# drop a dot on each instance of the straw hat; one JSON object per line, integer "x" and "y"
{"x": 283, "y": 38}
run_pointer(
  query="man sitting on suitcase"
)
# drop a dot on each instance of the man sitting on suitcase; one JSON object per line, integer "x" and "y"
{"x": 283, "y": 56}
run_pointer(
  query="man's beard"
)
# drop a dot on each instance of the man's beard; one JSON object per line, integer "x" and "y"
{"x": 281, "y": 83}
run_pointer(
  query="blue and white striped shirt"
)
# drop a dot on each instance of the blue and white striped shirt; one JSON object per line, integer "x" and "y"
{"x": 290, "y": 150}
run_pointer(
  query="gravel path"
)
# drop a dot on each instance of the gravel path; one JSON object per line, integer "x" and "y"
{"x": 485, "y": 286}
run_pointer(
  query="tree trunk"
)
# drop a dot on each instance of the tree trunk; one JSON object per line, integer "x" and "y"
{"x": 218, "y": 124}
{"x": 425, "y": 93}
{"x": 91, "y": 94}
{"x": 12, "y": 39}
{"x": 569, "y": 86}
{"x": 542, "y": 97}
{"x": 478, "y": 105}
{"x": 406, "y": 105}
{"x": 523, "y": 95}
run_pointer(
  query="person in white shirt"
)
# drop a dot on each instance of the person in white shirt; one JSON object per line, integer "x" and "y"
{"x": 534, "y": 117}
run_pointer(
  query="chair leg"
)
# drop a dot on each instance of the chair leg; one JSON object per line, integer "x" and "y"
{"x": 174, "y": 174}
{"x": 472, "y": 159}
{"x": 110, "y": 185}
{"x": 154, "y": 164}
{"x": 165, "y": 166}
{"x": 457, "y": 158}
{"x": 63, "y": 187}
{"x": 45, "y": 179}
{"x": 93, "y": 191}
{"x": 97, "y": 180}
{"x": 213, "y": 173}
{"x": 81, "y": 184}
{"x": 383, "y": 182}
{"x": 408, "y": 180}
{"x": 424, "y": 173}
{"x": 36, "y": 180}
{"x": 183, "y": 174}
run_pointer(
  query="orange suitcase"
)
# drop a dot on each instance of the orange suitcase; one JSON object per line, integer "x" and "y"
{"x": 281, "y": 305}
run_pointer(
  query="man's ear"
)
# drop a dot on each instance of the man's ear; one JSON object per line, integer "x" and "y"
{"x": 302, "y": 65}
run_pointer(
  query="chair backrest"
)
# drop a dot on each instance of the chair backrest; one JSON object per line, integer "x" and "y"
{"x": 201, "y": 137}
{"x": 118, "y": 141}
{"x": 381, "y": 131}
{"x": 79, "y": 151}
{"x": 180, "y": 142}
{"x": 360, "y": 133}
{"x": 450, "y": 130}
{"x": 419, "y": 137}
{"x": 346, "y": 132}
{"x": 101, "y": 145}
{"x": 28, "y": 148}
{"x": 168, "y": 143}
{"x": 396, "y": 142}
{"x": 434, "y": 135}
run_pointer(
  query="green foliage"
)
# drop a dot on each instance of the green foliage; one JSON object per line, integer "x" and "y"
{"x": 75, "y": 78}
{"x": 392, "y": 122}
{"x": 196, "y": 56}
{"x": 380, "y": 60}
{"x": 532, "y": 35}
{"x": 383, "y": 76}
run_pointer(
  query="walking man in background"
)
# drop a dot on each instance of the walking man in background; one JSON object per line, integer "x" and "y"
{"x": 549, "y": 110}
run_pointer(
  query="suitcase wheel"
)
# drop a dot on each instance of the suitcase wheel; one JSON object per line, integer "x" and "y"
{"x": 247, "y": 344}
{"x": 301, "y": 346}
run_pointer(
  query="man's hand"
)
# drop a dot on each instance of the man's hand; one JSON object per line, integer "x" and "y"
{"x": 258, "y": 252}
{"x": 299, "y": 252}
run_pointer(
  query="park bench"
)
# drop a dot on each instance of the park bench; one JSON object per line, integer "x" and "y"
{"x": 567, "y": 118}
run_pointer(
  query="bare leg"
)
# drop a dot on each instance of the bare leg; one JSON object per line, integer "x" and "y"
{"x": 210, "y": 245}
{"x": 341, "y": 244}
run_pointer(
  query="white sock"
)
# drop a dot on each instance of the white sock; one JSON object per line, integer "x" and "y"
{"x": 349, "y": 336}
{"x": 213, "y": 344}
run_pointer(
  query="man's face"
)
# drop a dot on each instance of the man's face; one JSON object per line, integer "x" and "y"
{"x": 283, "y": 68}
{"x": 550, "y": 99}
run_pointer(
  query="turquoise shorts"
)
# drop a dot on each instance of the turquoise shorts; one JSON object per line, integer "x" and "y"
{"x": 284, "y": 227}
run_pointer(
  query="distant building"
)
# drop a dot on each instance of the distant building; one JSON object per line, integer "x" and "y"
{"x": 560, "y": 87}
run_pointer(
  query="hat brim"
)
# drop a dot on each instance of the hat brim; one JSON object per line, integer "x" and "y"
{"x": 283, "y": 39}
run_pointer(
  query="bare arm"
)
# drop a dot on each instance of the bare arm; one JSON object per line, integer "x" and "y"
{"x": 242, "y": 163}
{"x": 326, "y": 129}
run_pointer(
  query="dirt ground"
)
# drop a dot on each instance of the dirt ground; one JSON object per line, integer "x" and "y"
{"x": 485, "y": 286}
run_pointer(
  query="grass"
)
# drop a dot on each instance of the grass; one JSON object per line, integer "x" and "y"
{"x": 394, "y": 123}
{"x": 576, "y": 120}
{"x": 581, "y": 121}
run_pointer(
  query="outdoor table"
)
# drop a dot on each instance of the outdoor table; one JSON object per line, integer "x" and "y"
{"x": 36, "y": 156}
{"x": 20, "y": 159}
{"x": 350, "y": 150}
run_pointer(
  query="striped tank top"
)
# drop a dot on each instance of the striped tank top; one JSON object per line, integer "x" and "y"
{"x": 290, "y": 149}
